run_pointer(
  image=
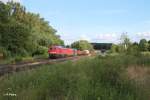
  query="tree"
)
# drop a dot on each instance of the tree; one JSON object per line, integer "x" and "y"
{"x": 114, "y": 48}
{"x": 125, "y": 41}
{"x": 22, "y": 31}
{"x": 133, "y": 49}
{"x": 15, "y": 37}
{"x": 82, "y": 45}
{"x": 4, "y": 13}
{"x": 143, "y": 45}
{"x": 149, "y": 45}
{"x": 135, "y": 44}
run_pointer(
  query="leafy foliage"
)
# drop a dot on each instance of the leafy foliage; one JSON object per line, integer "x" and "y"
{"x": 143, "y": 45}
{"x": 21, "y": 32}
{"x": 125, "y": 41}
{"x": 130, "y": 48}
{"x": 114, "y": 48}
{"x": 82, "y": 45}
{"x": 14, "y": 37}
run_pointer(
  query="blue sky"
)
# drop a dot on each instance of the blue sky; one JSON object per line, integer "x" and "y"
{"x": 95, "y": 20}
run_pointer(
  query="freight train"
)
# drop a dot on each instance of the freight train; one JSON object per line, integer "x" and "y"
{"x": 60, "y": 51}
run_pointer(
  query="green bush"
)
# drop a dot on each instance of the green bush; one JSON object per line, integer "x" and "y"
{"x": 26, "y": 59}
{"x": 133, "y": 50}
{"x": 5, "y": 53}
{"x": 146, "y": 53}
{"x": 23, "y": 53}
{"x": 18, "y": 59}
{"x": 41, "y": 50}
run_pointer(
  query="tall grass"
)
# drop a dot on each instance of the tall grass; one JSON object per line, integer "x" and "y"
{"x": 99, "y": 78}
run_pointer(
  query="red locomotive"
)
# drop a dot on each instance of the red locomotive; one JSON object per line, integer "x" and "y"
{"x": 59, "y": 51}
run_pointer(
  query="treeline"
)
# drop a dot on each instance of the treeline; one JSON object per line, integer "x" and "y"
{"x": 24, "y": 33}
{"x": 82, "y": 45}
{"x": 126, "y": 46}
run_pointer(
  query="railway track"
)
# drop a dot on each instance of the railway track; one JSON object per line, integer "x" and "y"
{"x": 10, "y": 68}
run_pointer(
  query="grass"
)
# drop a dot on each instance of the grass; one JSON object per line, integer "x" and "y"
{"x": 146, "y": 53}
{"x": 98, "y": 78}
{"x": 18, "y": 59}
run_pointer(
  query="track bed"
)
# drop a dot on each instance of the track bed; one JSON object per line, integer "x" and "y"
{"x": 10, "y": 68}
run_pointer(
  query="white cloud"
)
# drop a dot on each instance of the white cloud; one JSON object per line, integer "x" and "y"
{"x": 108, "y": 37}
{"x": 145, "y": 35}
{"x": 103, "y": 38}
{"x": 10, "y": 0}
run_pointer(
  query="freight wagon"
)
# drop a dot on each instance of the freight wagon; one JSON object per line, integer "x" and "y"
{"x": 60, "y": 51}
